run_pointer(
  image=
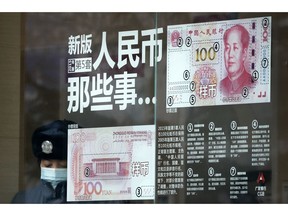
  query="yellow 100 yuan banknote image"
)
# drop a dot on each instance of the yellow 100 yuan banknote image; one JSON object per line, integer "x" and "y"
{"x": 111, "y": 163}
{"x": 219, "y": 63}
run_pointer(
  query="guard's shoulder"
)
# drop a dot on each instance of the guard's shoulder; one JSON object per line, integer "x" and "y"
{"x": 30, "y": 195}
{"x": 19, "y": 197}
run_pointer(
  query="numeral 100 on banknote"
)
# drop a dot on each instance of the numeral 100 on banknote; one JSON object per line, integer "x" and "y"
{"x": 203, "y": 53}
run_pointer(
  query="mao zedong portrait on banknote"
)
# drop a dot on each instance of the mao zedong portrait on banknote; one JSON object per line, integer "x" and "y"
{"x": 236, "y": 42}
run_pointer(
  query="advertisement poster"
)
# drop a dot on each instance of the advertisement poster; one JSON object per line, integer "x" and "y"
{"x": 211, "y": 142}
{"x": 109, "y": 71}
{"x": 115, "y": 163}
{"x": 216, "y": 128}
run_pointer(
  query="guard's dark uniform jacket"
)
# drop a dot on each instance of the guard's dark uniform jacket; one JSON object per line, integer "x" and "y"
{"x": 43, "y": 192}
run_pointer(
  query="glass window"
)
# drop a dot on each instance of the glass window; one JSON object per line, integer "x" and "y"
{"x": 153, "y": 120}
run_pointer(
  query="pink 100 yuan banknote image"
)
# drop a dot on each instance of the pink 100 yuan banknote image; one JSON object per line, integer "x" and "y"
{"x": 219, "y": 63}
{"x": 115, "y": 163}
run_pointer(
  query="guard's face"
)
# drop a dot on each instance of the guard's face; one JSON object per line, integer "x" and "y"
{"x": 234, "y": 54}
{"x": 54, "y": 163}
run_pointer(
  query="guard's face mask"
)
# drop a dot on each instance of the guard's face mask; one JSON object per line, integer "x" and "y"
{"x": 54, "y": 175}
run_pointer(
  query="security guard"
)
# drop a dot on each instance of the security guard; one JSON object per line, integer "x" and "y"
{"x": 49, "y": 144}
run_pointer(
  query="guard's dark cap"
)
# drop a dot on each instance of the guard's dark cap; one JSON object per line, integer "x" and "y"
{"x": 50, "y": 141}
